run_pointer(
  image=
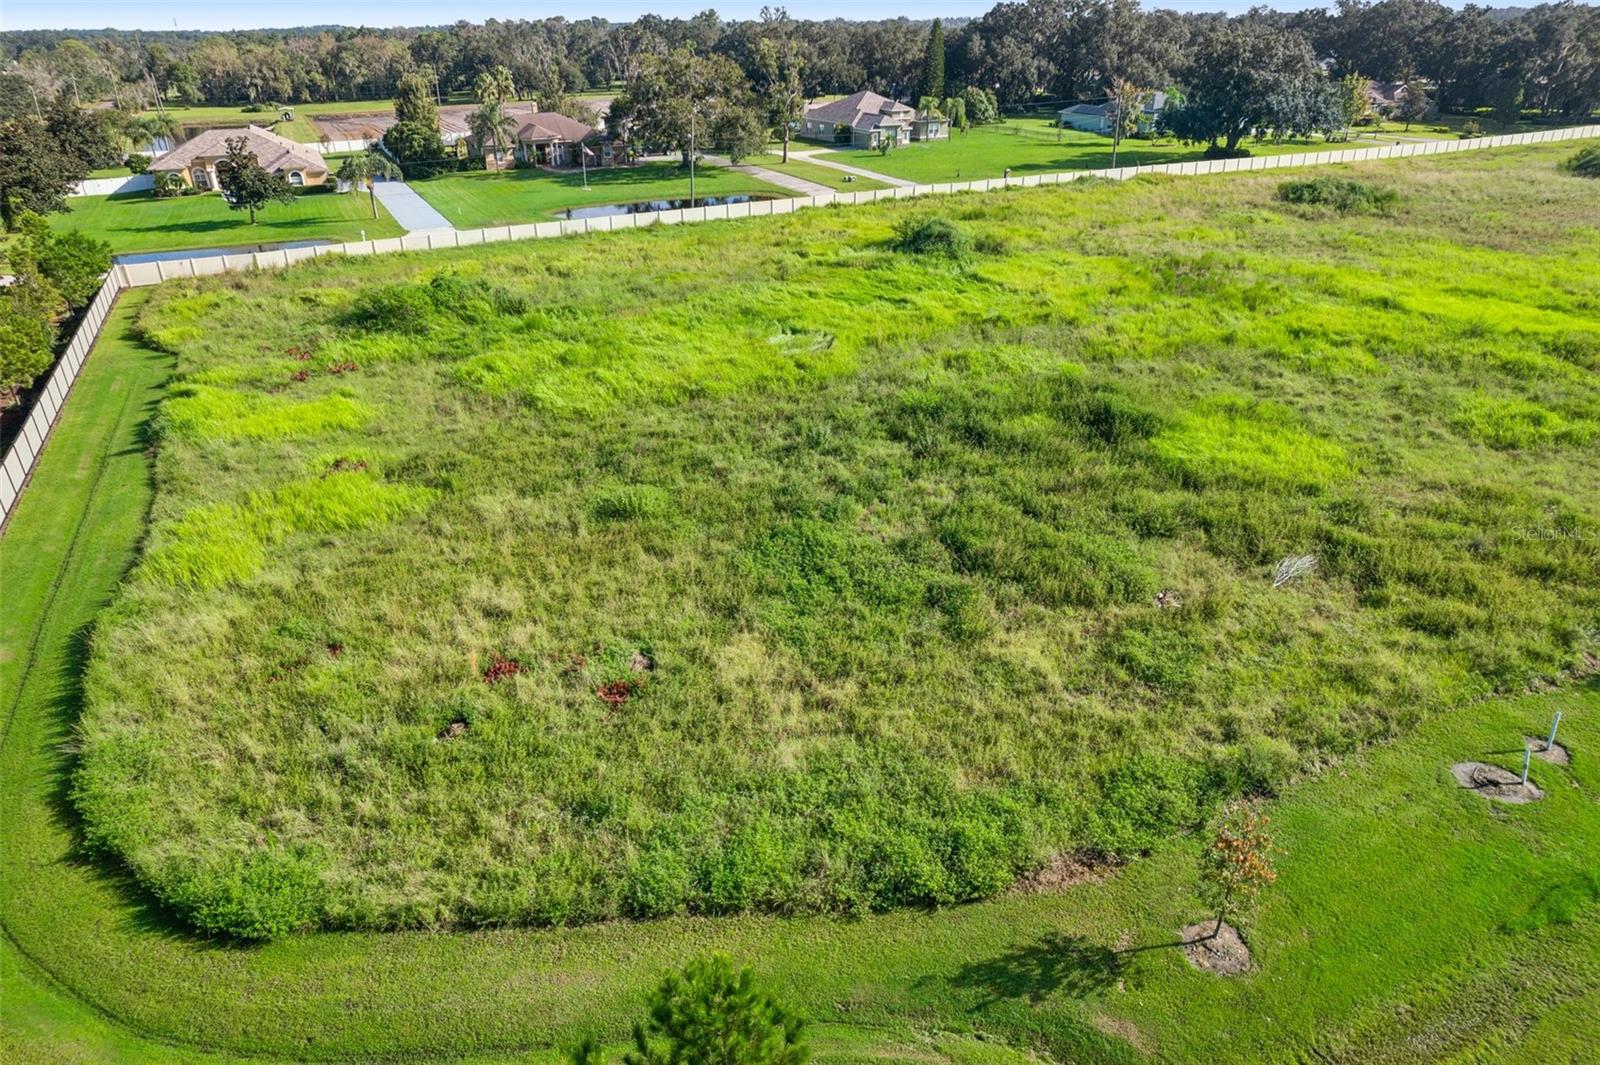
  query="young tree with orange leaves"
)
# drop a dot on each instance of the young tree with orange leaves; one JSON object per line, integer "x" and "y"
{"x": 1237, "y": 863}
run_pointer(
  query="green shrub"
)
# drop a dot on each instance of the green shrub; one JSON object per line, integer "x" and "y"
{"x": 660, "y": 882}
{"x": 1586, "y": 163}
{"x": 1142, "y": 801}
{"x": 1344, "y": 195}
{"x": 756, "y": 867}
{"x": 138, "y": 164}
{"x": 902, "y": 868}
{"x": 1257, "y": 765}
{"x": 445, "y": 300}
{"x": 931, "y": 236}
{"x": 264, "y": 895}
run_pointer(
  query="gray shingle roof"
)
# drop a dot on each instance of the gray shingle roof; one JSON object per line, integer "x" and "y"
{"x": 272, "y": 151}
{"x": 863, "y": 110}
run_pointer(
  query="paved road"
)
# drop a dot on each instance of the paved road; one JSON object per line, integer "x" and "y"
{"x": 811, "y": 157}
{"x": 798, "y": 185}
{"x": 409, "y": 209}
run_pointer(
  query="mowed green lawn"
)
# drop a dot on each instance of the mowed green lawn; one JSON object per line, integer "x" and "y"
{"x": 822, "y": 175}
{"x": 1031, "y": 146}
{"x": 138, "y": 221}
{"x": 474, "y": 200}
{"x": 1482, "y": 939}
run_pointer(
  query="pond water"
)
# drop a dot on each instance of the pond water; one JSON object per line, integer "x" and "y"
{"x": 604, "y": 210}
{"x": 212, "y": 253}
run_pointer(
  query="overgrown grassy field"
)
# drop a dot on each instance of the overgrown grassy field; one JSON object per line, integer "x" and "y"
{"x": 138, "y": 221}
{"x": 552, "y": 583}
{"x": 476, "y": 199}
{"x": 1031, "y": 145}
{"x": 1480, "y": 944}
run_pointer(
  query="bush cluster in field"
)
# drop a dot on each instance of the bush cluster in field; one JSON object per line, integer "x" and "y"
{"x": 1342, "y": 194}
{"x": 767, "y": 566}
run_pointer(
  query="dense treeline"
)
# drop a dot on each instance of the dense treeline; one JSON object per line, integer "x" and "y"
{"x": 1545, "y": 57}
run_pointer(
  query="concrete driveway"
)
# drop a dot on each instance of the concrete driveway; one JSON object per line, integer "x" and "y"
{"x": 409, "y": 209}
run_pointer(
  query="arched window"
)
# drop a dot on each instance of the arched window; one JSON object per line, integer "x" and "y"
{"x": 296, "y": 178}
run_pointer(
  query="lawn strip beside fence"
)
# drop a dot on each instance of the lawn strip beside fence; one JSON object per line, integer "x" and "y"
{"x": 18, "y": 463}
{"x": 30, "y": 439}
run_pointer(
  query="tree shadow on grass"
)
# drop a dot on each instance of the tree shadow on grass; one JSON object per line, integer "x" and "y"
{"x": 1055, "y": 963}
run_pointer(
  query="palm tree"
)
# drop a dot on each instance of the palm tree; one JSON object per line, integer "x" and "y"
{"x": 366, "y": 168}
{"x": 154, "y": 128}
{"x": 494, "y": 86}
{"x": 491, "y": 123}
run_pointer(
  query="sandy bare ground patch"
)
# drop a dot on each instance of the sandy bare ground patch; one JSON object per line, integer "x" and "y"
{"x": 1224, "y": 953}
{"x": 1555, "y": 754}
{"x": 1495, "y": 782}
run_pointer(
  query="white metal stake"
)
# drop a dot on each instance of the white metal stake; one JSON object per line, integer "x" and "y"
{"x": 1550, "y": 743}
{"x": 1527, "y": 757}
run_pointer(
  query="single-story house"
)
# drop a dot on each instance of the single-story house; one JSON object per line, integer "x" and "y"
{"x": 868, "y": 120}
{"x": 552, "y": 139}
{"x": 1098, "y": 118}
{"x": 195, "y": 160}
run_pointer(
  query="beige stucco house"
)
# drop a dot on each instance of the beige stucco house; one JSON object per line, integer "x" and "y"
{"x": 868, "y": 120}
{"x": 195, "y": 160}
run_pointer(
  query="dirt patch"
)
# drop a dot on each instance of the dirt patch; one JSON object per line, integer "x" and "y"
{"x": 1121, "y": 1028}
{"x": 615, "y": 692}
{"x": 1495, "y": 782}
{"x": 1555, "y": 754}
{"x": 642, "y": 663}
{"x": 1061, "y": 872}
{"x": 456, "y": 728}
{"x": 1224, "y": 953}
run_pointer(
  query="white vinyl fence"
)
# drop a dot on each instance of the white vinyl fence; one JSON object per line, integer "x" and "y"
{"x": 106, "y": 186}
{"x": 19, "y": 462}
{"x": 41, "y": 419}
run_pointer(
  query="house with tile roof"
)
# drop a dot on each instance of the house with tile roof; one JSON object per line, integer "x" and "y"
{"x": 868, "y": 120}
{"x": 549, "y": 138}
{"x": 195, "y": 160}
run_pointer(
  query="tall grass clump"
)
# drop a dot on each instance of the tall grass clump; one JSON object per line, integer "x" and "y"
{"x": 1345, "y": 195}
{"x": 221, "y": 544}
{"x": 204, "y": 412}
{"x": 932, "y": 236}
{"x": 1583, "y": 163}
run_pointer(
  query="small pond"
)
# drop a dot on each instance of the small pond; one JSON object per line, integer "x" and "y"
{"x": 605, "y": 210}
{"x": 211, "y": 253}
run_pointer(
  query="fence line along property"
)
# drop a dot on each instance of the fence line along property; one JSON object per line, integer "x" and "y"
{"x": 18, "y": 463}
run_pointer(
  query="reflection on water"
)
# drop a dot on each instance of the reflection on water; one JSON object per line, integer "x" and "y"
{"x": 605, "y": 210}
{"x": 212, "y": 253}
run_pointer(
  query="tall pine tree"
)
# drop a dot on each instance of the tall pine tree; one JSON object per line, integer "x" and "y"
{"x": 933, "y": 65}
